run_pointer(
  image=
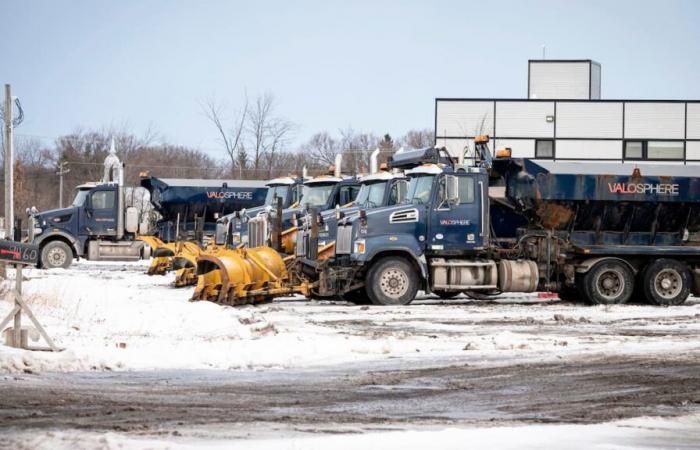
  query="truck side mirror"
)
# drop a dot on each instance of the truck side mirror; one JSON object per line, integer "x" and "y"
{"x": 220, "y": 233}
{"x": 452, "y": 189}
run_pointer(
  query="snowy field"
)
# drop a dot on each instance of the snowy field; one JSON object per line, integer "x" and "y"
{"x": 112, "y": 317}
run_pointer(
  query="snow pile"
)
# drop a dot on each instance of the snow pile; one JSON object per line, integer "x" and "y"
{"x": 112, "y": 316}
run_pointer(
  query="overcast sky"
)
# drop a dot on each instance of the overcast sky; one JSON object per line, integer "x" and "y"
{"x": 376, "y": 65}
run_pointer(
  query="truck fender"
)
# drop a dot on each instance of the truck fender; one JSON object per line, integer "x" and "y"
{"x": 52, "y": 235}
{"x": 403, "y": 244}
{"x": 586, "y": 265}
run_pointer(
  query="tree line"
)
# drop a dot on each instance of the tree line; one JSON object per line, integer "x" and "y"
{"x": 256, "y": 143}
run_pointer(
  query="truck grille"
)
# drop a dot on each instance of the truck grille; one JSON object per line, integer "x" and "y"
{"x": 343, "y": 244}
{"x": 257, "y": 232}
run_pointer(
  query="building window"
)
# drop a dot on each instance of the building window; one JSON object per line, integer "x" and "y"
{"x": 655, "y": 150}
{"x": 544, "y": 149}
{"x": 634, "y": 150}
{"x": 665, "y": 150}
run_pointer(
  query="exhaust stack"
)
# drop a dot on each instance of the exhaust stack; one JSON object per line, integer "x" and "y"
{"x": 374, "y": 161}
{"x": 338, "y": 162}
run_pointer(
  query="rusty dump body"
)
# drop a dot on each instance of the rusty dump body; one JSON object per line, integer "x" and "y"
{"x": 601, "y": 204}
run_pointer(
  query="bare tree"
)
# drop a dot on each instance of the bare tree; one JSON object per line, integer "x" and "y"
{"x": 417, "y": 139}
{"x": 322, "y": 147}
{"x": 232, "y": 137}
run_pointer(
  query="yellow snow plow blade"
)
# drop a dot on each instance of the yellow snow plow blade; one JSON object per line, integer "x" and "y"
{"x": 184, "y": 262}
{"x": 243, "y": 276}
{"x": 152, "y": 241}
{"x": 162, "y": 259}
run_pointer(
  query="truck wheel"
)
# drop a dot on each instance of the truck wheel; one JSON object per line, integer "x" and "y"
{"x": 446, "y": 295}
{"x": 608, "y": 283}
{"x": 392, "y": 281}
{"x": 56, "y": 255}
{"x": 666, "y": 282}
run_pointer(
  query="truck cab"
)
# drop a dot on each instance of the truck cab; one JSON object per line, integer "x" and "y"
{"x": 97, "y": 225}
{"x": 438, "y": 240}
{"x": 320, "y": 193}
{"x": 93, "y": 219}
{"x": 379, "y": 189}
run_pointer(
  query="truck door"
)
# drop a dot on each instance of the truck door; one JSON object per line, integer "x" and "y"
{"x": 101, "y": 212}
{"x": 459, "y": 224}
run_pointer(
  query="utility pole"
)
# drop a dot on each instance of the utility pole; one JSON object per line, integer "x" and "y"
{"x": 9, "y": 169}
{"x": 60, "y": 174}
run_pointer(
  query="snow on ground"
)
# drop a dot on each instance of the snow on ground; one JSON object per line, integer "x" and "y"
{"x": 112, "y": 316}
{"x": 638, "y": 433}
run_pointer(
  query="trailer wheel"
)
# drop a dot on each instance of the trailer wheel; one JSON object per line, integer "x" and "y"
{"x": 392, "y": 281}
{"x": 608, "y": 283}
{"x": 56, "y": 254}
{"x": 666, "y": 282}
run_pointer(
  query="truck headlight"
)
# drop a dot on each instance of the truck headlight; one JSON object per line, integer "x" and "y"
{"x": 236, "y": 238}
{"x": 359, "y": 246}
{"x": 38, "y": 231}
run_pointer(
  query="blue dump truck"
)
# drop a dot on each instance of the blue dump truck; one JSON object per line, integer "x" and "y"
{"x": 602, "y": 232}
{"x": 180, "y": 200}
{"x": 276, "y": 223}
{"x": 98, "y": 225}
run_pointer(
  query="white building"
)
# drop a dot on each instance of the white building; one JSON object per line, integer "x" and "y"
{"x": 565, "y": 119}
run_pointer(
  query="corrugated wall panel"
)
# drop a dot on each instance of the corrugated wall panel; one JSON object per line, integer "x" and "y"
{"x": 569, "y": 80}
{"x": 464, "y": 118}
{"x": 692, "y": 150}
{"x": 524, "y": 119}
{"x": 693, "y": 120}
{"x": 654, "y": 120}
{"x": 589, "y": 120}
{"x": 588, "y": 149}
{"x": 522, "y": 148}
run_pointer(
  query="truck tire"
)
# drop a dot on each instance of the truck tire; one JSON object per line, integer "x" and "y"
{"x": 56, "y": 254}
{"x": 666, "y": 282}
{"x": 392, "y": 281}
{"x": 608, "y": 282}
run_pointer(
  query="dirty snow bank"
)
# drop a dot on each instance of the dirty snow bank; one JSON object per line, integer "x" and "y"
{"x": 643, "y": 432}
{"x": 112, "y": 316}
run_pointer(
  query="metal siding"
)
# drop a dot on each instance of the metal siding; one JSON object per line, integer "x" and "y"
{"x": 524, "y": 119}
{"x": 522, "y": 148}
{"x": 588, "y": 149}
{"x": 589, "y": 120}
{"x": 693, "y": 121}
{"x": 595, "y": 81}
{"x": 464, "y": 118}
{"x": 561, "y": 80}
{"x": 692, "y": 150}
{"x": 654, "y": 120}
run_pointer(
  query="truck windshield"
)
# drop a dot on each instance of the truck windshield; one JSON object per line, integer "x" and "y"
{"x": 80, "y": 197}
{"x": 371, "y": 195}
{"x": 317, "y": 194}
{"x": 419, "y": 189}
{"x": 279, "y": 191}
